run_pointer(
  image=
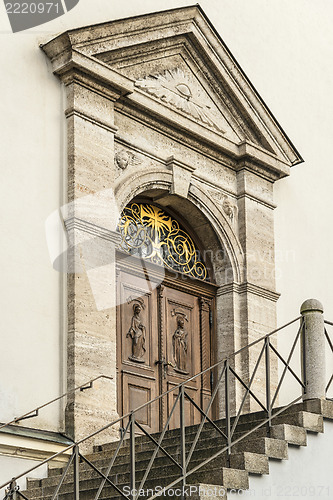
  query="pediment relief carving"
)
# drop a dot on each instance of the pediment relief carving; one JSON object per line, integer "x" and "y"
{"x": 177, "y": 89}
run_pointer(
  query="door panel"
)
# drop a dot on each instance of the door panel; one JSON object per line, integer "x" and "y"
{"x": 137, "y": 348}
{"x": 163, "y": 339}
{"x": 182, "y": 347}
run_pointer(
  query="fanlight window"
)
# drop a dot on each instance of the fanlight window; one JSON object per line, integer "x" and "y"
{"x": 149, "y": 232}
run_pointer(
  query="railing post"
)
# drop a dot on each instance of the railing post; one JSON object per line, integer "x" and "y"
{"x": 182, "y": 433}
{"x": 76, "y": 473}
{"x": 12, "y": 489}
{"x": 268, "y": 381}
{"x": 313, "y": 350}
{"x": 227, "y": 408}
{"x": 132, "y": 455}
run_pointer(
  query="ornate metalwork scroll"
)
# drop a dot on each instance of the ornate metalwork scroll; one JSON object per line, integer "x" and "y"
{"x": 149, "y": 232}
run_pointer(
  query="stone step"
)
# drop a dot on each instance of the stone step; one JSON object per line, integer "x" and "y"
{"x": 272, "y": 448}
{"x": 204, "y": 448}
{"x": 161, "y": 465}
{"x": 312, "y": 422}
{"x": 171, "y": 443}
{"x": 230, "y": 478}
{"x": 293, "y": 434}
{"x": 249, "y": 455}
{"x": 255, "y": 463}
{"x": 171, "y": 436}
{"x": 323, "y": 407}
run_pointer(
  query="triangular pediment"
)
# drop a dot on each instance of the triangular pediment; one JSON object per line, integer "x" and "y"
{"x": 176, "y": 65}
{"x": 174, "y": 80}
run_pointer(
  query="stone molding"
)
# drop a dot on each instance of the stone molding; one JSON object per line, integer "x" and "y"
{"x": 257, "y": 199}
{"x": 248, "y": 288}
{"x": 75, "y": 223}
{"x": 81, "y": 114}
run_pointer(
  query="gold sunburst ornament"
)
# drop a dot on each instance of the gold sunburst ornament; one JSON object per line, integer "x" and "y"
{"x": 174, "y": 87}
{"x": 149, "y": 232}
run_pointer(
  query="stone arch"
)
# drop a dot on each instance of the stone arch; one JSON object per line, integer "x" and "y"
{"x": 160, "y": 181}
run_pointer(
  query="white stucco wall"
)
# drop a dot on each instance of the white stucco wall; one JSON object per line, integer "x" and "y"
{"x": 306, "y": 474}
{"x": 13, "y": 467}
{"x": 284, "y": 48}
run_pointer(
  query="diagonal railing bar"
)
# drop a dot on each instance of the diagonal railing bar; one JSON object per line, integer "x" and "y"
{"x": 216, "y": 388}
{"x": 247, "y": 392}
{"x": 69, "y": 463}
{"x": 208, "y": 420}
{"x": 328, "y": 339}
{"x": 103, "y": 476}
{"x": 22, "y": 495}
{"x": 220, "y": 452}
{"x": 328, "y": 322}
{"x": 206, "y": 416}
{"x": 329, "y": 383}
{"x": 158, "y": 444}
{"x": 248, "y": 388}
{"x": 99, "y": 491}
{"x": 331, "y": 347}
{"x": 288, "y": 367}
{"x": 287, "y": 364}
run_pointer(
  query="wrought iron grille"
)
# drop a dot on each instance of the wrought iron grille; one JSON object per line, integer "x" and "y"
{"x": 149, "y": 232}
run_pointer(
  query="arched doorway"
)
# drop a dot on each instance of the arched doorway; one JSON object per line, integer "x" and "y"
{"x": 165, "y": 313}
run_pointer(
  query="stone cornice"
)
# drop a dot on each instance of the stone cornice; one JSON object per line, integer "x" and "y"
{"x": 172, "y": 161}
{"x": 176, "y": 125}
{"x": 81, "y": 114}
{"x": 77, "y": 224}
{"x": 257, "y": 199}
{"x": 71, "y": 65}
{"x": 248, "y": 288}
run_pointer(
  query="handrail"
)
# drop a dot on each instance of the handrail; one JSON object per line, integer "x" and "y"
{"x": 127, "y": 415}
{"x": 268, "y": 346}
{"x": 35, "y": 411}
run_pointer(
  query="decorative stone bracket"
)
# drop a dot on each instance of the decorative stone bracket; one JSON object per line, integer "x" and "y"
{"x": 182, "y": 175}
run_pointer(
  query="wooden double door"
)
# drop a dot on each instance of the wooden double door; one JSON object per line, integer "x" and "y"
{"x": 165, "y": 335}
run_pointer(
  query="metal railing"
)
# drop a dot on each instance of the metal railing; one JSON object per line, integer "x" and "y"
{"x": 330, "y": 343}
{"x": 35, "y": 412}
{"x": 226, "y": 428}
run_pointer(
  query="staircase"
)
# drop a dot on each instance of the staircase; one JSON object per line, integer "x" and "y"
{"x": 249, "y": 455}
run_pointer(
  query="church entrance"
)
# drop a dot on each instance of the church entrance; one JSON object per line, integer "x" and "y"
{"x": 165, "y": 319}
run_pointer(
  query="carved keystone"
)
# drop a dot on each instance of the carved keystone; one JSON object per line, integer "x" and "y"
{"x": 182, "y": 175}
